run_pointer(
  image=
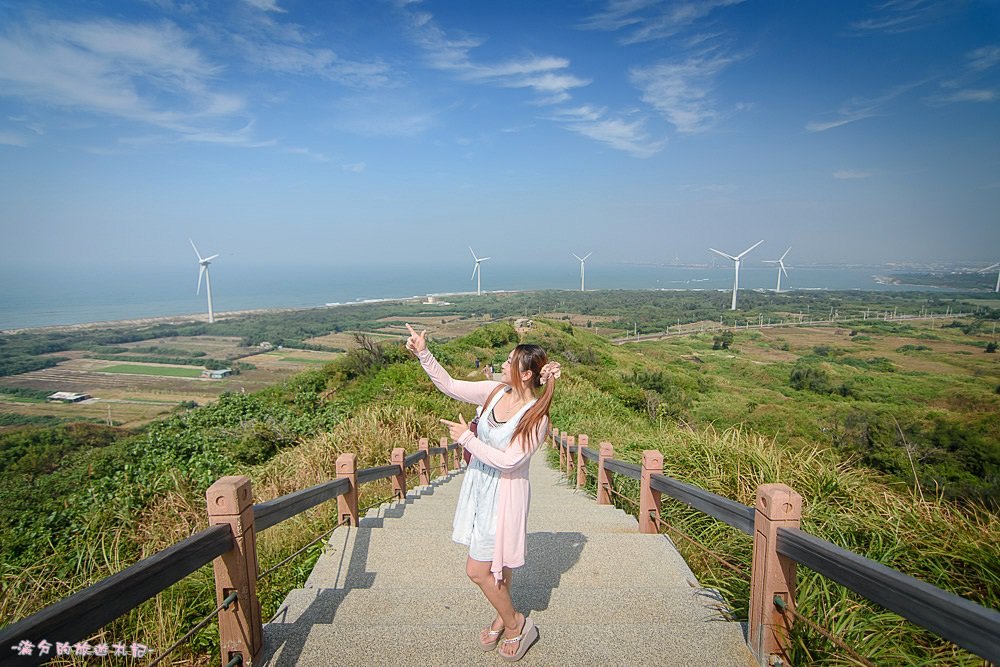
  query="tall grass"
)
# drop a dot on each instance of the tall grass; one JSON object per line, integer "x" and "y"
{"x": 957, "y": 549}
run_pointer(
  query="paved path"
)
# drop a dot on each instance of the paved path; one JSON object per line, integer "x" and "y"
{"x": 394, "y": 592}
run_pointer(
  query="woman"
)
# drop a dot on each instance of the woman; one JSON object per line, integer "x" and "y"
{"x": 492, "y": 513}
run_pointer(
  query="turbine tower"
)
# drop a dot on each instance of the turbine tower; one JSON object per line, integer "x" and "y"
{"x": 477, "y": 272}
{"x": 736, "y": 261}
{"x": 781, "y": 267}
{"x": 203, "y": 271}
{"x": 582, "y": 260}
{"x": 990, "y": 268}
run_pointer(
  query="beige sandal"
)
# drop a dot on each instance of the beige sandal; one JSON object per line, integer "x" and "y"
{"x": 528, "y": 636}
{"x": 494, "y": 639}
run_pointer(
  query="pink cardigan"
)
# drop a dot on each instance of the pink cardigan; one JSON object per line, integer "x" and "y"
{"x": 515, "y": 492}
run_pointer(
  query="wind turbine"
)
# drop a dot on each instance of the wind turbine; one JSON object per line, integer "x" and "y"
{"x": 476, "y": 270}
{"x": 990, "y": 268}
{"x": 582, "y": 260}
{"x": 781, "y": 267}
{"x": 203, "y": 271}
{"x": 736, "y": 260}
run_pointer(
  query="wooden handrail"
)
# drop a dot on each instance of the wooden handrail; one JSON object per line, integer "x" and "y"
{"x": 973, "y": 627}
{"x": 273, "y": 512}
{"x": 735, "y": 514}
{"x": 78, "y": 616}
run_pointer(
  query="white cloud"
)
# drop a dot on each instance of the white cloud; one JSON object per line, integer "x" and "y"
{"x": 618, "y": 133}
{"x": 984, "y": 58}
{"x": 682, "y": 91}
{"x": 356, "y": 167}
{"x": 147, "y": 73}
{"x": 966, "y": 95}
{"x": 544, "y": 75}
{"x": 898, "y": 16}
{"x": 851, "y": 174}
{"x": 859, "y": 108}
{"x": 649, "y": 20}
{"x": 265, "y": 5}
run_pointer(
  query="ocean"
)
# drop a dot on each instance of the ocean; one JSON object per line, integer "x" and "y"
{"x": 75, "y": 296}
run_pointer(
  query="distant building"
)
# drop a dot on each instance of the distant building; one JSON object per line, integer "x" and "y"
{"x": 523, "y": 323}
{"x": 68, "y": 397}
{"x": 217, "y": 374}
{"x": 265, "y": 345}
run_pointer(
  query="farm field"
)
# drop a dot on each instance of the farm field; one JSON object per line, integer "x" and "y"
{"x": 138, "y": 392}
{"x": 151, "y": 369}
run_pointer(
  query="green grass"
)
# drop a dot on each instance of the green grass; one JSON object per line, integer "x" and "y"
{"x": 306, "y": 360}
{"x": 71, "y": 514}
{"x": 166, "y": 371}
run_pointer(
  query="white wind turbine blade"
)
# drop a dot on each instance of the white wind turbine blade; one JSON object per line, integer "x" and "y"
{"x": 748, "y": 249}
{"x": 483, "y": 259}
{"x": 208, "y": 259}
{"x": 473, "y": 253}
{"x": 586, "y": 256}
{"x": 474, "y": 269}
{"x": 577, "y": 256}
{"x": 990, "y": 268}
{"x": 782, "y": 265}
{"x": 718, "y": 252}
{"x": 786, "y": 254}
{"x": 200, "y": 274}
{"x": 195, "y": 249}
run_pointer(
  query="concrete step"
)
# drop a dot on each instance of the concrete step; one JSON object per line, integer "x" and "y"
{"x": 363, "y": 558}
{"x": 719, "y": 644}
{"x": 451, "y": 605}
{"x": 567, "y": 516}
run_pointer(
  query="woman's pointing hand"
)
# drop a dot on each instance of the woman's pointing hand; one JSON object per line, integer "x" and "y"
{"x": 416, "y": 343}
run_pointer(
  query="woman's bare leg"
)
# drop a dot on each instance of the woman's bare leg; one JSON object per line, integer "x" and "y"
{"x": 498, "y": 596}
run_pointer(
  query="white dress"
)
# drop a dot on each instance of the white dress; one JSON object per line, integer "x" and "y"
{"x": 475, "y": 522}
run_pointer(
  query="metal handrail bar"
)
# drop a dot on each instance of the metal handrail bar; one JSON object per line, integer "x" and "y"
{"x": 972, "y": 626}
{"x": 735, "y": 514}
{"x": 378, "y": 472}
{"x": 631, "y": 470}
{"x": 273, "y": 512}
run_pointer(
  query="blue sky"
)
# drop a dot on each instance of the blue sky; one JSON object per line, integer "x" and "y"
{"x": 286, "y": 131}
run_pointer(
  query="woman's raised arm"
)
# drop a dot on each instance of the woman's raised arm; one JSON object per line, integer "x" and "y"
{"x": 461, "y": 390}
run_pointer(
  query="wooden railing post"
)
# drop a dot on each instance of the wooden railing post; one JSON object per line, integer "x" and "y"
{"x": 347, "y": 504}
{"x": 444, "y": 457}
{"x": 570, "y": 441}
{"x": 772, "y": 574}
{"x": 230, "y": 501}
{"x": 555, "y": 437}
{"x": 560, "y": 443}
{"x": 603, "y": 476}
{"x": 456, "y": 458}
{"x": 649, "y": 500}
{"x": 581, "y": 462}
{"x": 399, "y": 479}
{"x": 424, "y": 465}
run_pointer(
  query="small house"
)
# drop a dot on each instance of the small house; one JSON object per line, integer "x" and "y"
{"x": 68, "y": 397}
{"x": 216, "y": 374}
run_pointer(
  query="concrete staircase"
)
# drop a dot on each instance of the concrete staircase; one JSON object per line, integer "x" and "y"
{"x": 394, "y": 592}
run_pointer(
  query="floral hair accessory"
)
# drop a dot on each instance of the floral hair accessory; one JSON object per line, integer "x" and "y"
{"x": 551, "y": 370}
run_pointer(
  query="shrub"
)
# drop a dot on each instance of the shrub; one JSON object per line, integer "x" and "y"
{"x": 806, "y": 377}
{"x": 722, "y": 341}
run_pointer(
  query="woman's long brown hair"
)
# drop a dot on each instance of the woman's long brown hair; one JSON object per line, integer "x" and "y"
{"x": 529, "y": 357}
